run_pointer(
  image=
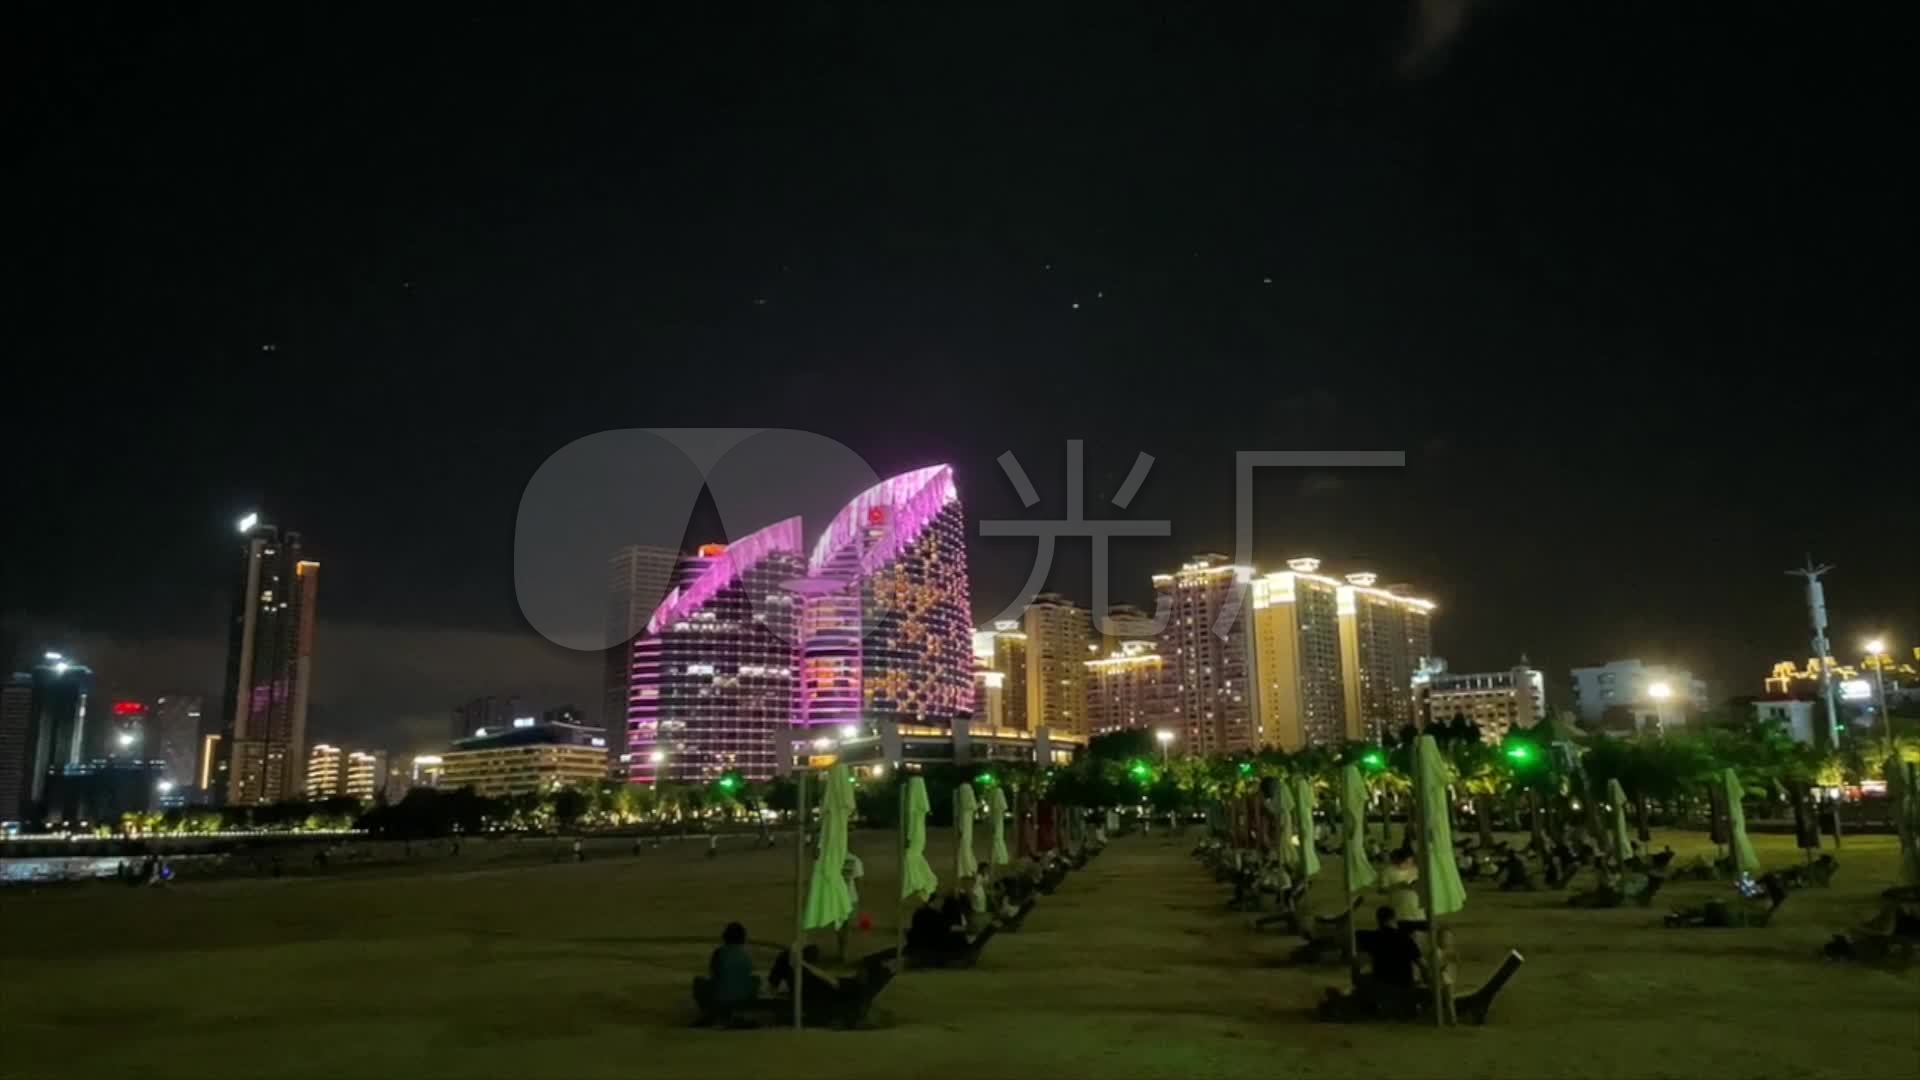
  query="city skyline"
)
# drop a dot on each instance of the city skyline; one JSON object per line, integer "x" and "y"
{"x": 1535, "y": 276}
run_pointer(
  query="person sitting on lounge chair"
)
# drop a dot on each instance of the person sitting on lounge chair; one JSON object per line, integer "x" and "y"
{"x": 1752, "y": 908}
{"x": 1388, "y": 989}
{"x": 729, "y": 984}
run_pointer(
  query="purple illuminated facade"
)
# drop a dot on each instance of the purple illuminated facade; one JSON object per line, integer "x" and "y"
{"x": 887, "y": 627}
{"x": 713, "y": 677}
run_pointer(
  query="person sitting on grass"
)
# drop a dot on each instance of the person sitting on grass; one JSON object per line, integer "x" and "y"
{"x": 729, "y": 984}
{"x": 1388, "y": 989}
{"x": 1514, "y": 875}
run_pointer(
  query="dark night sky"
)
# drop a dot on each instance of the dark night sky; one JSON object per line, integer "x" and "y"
{"x": 1616, "y": 277}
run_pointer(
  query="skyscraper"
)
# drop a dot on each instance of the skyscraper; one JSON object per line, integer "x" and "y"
{"x": 269, "y": 666}
{"x": 1057, "y": 654}
{"x": 1003, "y": 651}
{"x": 887, "y": 633}
{"x": 1384, "y": 638}
{"x": 174, "y": 737}
{"x": 1296, "y": 632}
{"x": 713, "y": 675}
{"x": 1212, "y": 702}
{"x": 637, "y": 579}
{"x": 16, "y": 712}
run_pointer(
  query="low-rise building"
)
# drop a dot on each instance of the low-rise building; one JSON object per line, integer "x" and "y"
{"x": 1629, "y": 695}
{"x": 526, "y": 760}
{"x": 1496, "y": 702}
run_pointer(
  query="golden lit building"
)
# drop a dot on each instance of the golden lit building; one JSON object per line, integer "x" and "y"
{"x": 323, "y": 771}
{"x": 1302, "y": 693}
{"x": 1384, "y": 637}
{"x": 1003, "y": 650}
{"x": 1207, "y": 673}
{"x": 1127, "y": 690}
{"x": 525, "y": 760}
{"x": 1056, "y": 673}
{"x": 365, "y": 774}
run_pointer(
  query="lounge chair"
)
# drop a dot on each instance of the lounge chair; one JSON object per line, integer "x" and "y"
{"x": 1473, "y": 1008}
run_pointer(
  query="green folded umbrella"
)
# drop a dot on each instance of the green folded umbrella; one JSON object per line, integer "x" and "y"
{"x": 916, "y": 877}
{"x": 1903, "y": 790}
{"x": 1353, "y": 828}
{"x": 1280, "y": 823}
{"x": 1622, "y": 839}
{"x": 1303, "y": 826}
{"x": 1446, "y": 893}
{"x": 963, "y": 807}
{"x": 997, "y": 812}
{"x": 828, "y": 900}
{"x": 1744, "y": 859}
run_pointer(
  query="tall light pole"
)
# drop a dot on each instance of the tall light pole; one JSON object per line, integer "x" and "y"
{"x": 1822, "y": 649}
{"x": 1877, "y": 652}
{"x": 1166, "y": 746}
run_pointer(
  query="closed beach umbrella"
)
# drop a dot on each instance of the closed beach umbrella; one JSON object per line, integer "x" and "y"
{"x": 916, "y": 877}
{"x": 829, "y": 902}
{"x": 1744, "y": 859}
{"x": 1446, "y": 893}
{"x": 1903, "y": 793}
{"x": 1353, "y": 828}
{"x": 1280, "y": 822}
{"x": 997, "y": 811}
{"x": 1622, "y": 840}
{"x": 963, "y": 807}
{"x": 1309, "y": 859}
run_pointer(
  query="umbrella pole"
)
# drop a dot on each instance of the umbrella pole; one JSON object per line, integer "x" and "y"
{"x": 1417, "y": 817}
{"x": 799, "y": 892}
{"x": 900, "y": 905}
{"x": 1353, "y": 932}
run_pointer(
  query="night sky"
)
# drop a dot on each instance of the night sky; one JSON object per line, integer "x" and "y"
{"x": 1629, "y": 283}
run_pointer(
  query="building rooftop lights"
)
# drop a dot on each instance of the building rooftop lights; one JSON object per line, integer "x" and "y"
{"x": 1306, "y": 564}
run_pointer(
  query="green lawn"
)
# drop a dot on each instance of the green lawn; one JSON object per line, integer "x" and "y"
{"x": 525, "y": 968}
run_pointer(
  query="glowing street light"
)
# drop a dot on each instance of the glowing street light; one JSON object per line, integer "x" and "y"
{"x": 1166, "y": 744}
{"x": 248, "y": 522}
{"x": 849, "y": 731}
{"x": 127, "y": 738}
{"x": 1660, "y": 692}
{"x": 1877, "y": 652}
{"x": 165, "y": 787}
{"x": 1374, "y": 760}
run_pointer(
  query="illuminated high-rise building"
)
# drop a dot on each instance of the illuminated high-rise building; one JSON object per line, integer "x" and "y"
{"x": 269, "y": 666}
{"x": 44, "y": 726}
{"x": 638, "y": 576}
{"x": 325, "y": 771}
{"x": 1057, "y": 636}
{"x": 1206, "y": 646}
{"x": 1297, "y": 666}
{"x": 1003, "y": 651}
{"x": 364, "y": 775}
{"x": 16, "y": 712}
{"x": 713, "y": 676}
{"x": 1124, "y": 623}
{"x": 1385, "y": 637}
{"x": 175, "y": 738}
{"x": 1127, "y": 690}
{"x": 886, "y": 631}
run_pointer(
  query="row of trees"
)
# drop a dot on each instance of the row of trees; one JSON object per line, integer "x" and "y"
{"x": 1551, "y": 768}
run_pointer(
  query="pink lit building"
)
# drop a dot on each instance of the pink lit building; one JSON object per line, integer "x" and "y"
{"x": 712, "y": 678}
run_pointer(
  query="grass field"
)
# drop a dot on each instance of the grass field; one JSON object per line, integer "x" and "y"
{"x": 488, "y": 965}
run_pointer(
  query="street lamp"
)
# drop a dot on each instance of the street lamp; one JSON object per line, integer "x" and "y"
{"x": 1877, "y": 652}
{"x": 1166, "y": 744}
{"x": 1660, "y": 692}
